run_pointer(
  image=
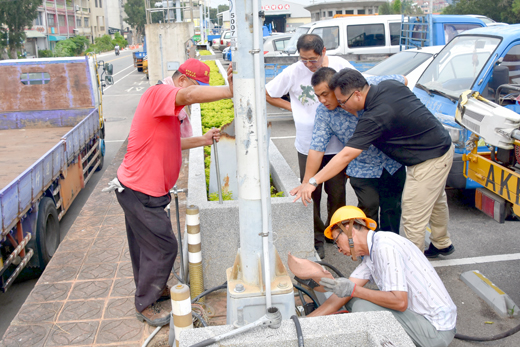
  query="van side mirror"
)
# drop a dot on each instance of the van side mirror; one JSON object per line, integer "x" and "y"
{"x": 109, "y": 80}
{"x": 290, "y": 50}
{"x": 109, "y": 68}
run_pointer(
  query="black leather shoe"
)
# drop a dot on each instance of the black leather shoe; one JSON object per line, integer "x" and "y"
{"x": 321, "y": 251}
{"x": 433, "y": 252}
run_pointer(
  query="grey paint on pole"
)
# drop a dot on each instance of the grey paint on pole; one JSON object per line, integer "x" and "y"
{"x": 248, "y": 170}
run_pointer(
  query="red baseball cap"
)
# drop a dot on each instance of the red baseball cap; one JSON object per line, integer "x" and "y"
{"x": 196, "y": 70}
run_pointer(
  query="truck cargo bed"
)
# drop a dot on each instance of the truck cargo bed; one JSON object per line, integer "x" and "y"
{"x": 20, "y": 148}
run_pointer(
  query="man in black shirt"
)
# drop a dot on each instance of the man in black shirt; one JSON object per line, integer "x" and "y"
{"x": 395, "y": 121}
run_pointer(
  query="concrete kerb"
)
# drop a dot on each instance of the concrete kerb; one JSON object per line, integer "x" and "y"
{"x": 372, "y": 329}
{"x": 219, "y": 223}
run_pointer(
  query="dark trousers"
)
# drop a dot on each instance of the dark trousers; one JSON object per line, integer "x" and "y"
{"x": 336, "y": 196}
{"x": 152, "y": 244}
{"x": 381, "y": 193}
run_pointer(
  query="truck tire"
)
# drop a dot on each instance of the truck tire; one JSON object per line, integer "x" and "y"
{"x": 47, "y": 232}
{"x": 101, "y": 155}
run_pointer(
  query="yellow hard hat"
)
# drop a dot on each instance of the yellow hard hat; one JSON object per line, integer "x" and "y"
{"x": 346, "y": 213}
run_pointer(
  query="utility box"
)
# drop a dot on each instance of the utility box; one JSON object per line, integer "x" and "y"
{"x": 166, "y": 43}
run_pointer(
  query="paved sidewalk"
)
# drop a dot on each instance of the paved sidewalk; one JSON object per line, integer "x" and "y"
{"x": 85, "y": 296}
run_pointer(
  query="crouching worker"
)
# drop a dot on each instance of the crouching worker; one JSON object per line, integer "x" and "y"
{"x": 408, "y": 285}
{"x": 149, "y": 170}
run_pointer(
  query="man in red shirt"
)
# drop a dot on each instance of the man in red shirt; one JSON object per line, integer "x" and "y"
{"x": 149, "y": 170}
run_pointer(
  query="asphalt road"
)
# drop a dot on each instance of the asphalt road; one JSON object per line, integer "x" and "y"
{"x": 119, "y": 103}
{"x": 479, "y": 240}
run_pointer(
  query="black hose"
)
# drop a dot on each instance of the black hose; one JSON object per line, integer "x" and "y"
{"x": 308, "y": 294}
{"x": 330, "y": 267}
{"x": 492, "y": 338}
{"x": 199, "y": 317}
{"x": 298, "y": 330}
{"x": 204, "y": 293}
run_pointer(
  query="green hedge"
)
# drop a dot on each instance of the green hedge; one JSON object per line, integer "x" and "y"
{"x": 216, "y": 114}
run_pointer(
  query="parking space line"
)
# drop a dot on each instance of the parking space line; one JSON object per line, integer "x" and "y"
{"x": 283, "y": 137}
{"x": 476, "y": 260}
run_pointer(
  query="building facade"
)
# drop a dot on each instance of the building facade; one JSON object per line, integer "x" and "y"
{"x": 328, "y": 9}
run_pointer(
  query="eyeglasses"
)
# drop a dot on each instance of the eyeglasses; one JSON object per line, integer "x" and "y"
{"x": 336, "y": 239}
{"x": 305, "y": 61}
{"x": 342, "y": 103}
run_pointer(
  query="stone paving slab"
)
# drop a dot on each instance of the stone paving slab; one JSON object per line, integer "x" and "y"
{"x": 85, "y": 297}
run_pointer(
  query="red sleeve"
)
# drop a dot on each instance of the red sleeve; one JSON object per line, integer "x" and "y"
{"x": 161, "y": 101}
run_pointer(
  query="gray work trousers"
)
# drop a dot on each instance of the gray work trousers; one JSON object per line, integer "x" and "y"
{"x": 420, "y": 330}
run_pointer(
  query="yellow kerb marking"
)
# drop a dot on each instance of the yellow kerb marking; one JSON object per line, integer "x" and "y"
{"x": 498, "y": 290}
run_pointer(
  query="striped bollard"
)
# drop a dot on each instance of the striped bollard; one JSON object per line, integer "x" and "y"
{"x": 181, "y": 310}
{"x": 194, "y": 251}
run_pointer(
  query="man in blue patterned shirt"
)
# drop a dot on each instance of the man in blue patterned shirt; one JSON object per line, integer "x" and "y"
{"x": 377, "y": 180}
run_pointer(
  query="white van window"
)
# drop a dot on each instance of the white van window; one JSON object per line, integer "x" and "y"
{"x": 330, "y": 36}
{"x": 367, "y": 35}
{"x": 395, "y": 33}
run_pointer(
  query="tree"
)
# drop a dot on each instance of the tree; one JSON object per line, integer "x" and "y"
{"x": 14, "y": 17}
{"x": 222, "y": 8}
{"x": 135, "y": 11}
{"x": 81, "y": 43}
{"x": 507, "y": 11}
{"x": 406, "y": 7}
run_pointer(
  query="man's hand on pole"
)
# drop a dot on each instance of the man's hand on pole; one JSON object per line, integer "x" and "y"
{"x": 230, "y": 78}
{"x": 342, "y": 287}
{"x": 303, "y": 191}
{"x": 213, "y": 133}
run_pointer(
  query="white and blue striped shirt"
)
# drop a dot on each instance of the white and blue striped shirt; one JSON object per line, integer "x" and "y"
{"x": 396, "y": 264}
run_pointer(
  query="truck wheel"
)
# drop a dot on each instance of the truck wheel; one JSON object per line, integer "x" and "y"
{"x": 47, "y": 232}
{"x": 102, "y": 155}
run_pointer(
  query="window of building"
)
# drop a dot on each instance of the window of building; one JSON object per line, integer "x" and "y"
{"x": 331, "y": 14}
{"x": 50, "y": 20}
{"x": 360, "y": 11}
{"x": 349, "y": 11}
{"x": 86, "y": 22}
{"x": 317, "y": 16}
{"x": 100, "y": 3}
{"x": 367, "y": 35}
{"x": 61, "y": 20}
{"x": 78, "y": 22}
{"x": 330, "y": 36}
{"x": 96, "y": 4}
{"x": 39, "y": 19}
{"x": 395, "y": 33}
{"x": 369, "y": 11}
{"x": 339, "y": 12}
{"x": 324, "y": 14}
{"x": 71, "y": 20}
{"x": 34, "y": 78}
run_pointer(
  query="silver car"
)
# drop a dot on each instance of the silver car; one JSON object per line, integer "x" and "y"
{"x": 223, "y": 42}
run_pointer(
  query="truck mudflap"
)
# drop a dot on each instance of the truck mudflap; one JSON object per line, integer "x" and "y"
{"x": 494, "y": 177}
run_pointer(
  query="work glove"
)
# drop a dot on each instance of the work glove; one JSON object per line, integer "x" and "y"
{"x": 113, "y": 185}
{"x": 342, "y": 287}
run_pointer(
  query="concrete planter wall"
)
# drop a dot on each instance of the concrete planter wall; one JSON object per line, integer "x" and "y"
{"x": 219, "y": 224}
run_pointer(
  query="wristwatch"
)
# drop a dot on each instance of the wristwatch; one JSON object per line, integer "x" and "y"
{"x": 313, "y": 182}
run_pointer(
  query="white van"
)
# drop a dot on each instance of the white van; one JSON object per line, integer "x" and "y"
{"x": 354, "y": 35}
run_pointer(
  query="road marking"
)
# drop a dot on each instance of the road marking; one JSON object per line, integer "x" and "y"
{"x": 476, "y": 260}
{"x": 283, "y": 137}
{"x": 123, "y": 70}
{"x": 115, "y": 141}
{"x": 119, "y": 80}
{"x": 123, "y": 95}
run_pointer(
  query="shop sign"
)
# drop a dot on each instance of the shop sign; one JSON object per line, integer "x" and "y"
{"x": 276, "y": 7}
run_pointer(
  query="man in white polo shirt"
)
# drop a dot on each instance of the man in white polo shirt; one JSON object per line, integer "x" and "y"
{"x": 409, "y": 286}
{"x": 296, "y": 80}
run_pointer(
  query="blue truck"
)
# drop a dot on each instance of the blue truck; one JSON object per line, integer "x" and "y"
{"x": 51, "y": 143}
{"x": 484, "y": 61}
{"x": 139, "y": 57}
